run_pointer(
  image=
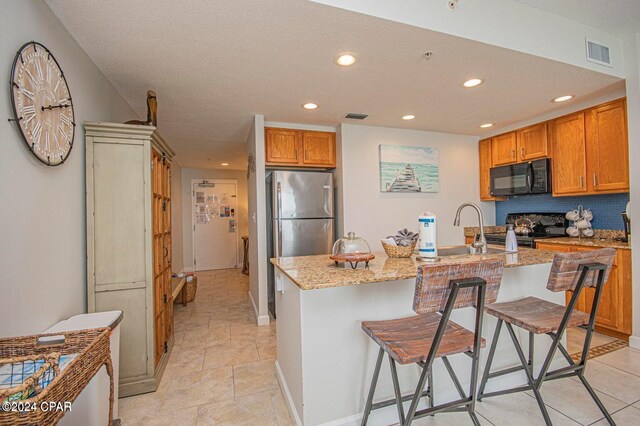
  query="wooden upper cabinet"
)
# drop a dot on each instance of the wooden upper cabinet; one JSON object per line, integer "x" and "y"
{"x": 319, "y": 149}
{"x": 569, "y": 155}
{"x": 533, "y": 142}
{"x": 484, "y": 156}
{"x": 607, "y": 148}
{"x": 503, "y": 149}
{"x": 300, "y": 148}
{"x": 282, "y": 146}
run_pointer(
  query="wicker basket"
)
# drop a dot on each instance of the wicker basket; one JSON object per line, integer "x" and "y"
{"x": 399, "y": 251}
{"x": 92, "y": 351}
{"x": 192, "y": 288}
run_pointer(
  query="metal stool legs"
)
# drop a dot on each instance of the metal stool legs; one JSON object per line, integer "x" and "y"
{"x": 464, "y": 403}
{"x": 573, "y": 369}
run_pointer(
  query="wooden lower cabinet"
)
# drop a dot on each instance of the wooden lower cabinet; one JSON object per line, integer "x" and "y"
{"x": 614, "y": 312}
{"x": 129, "y": 245}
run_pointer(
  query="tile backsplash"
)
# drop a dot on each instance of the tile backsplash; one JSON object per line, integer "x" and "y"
{"x": 606, "y": 208}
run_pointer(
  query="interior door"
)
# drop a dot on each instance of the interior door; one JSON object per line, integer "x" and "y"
{"x": 215, "y": 233}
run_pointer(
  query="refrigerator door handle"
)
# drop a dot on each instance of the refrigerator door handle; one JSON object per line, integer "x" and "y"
{"x": 278, "y": 237}
{"x": 279, "y": 199}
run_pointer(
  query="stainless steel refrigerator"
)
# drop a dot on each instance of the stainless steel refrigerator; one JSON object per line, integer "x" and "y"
{"x": 301, "y": 208}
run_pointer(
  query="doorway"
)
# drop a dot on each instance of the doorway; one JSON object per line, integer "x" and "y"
{"x": 215, "y": 224}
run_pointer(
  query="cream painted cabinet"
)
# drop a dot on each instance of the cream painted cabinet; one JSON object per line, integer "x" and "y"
{"x": 128, "y": 245}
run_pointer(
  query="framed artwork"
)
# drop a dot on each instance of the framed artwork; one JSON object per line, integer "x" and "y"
{"x": 409, "y": 169}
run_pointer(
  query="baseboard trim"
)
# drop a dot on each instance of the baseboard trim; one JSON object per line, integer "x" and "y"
{"x": 287, "y": 395}
{"x": 260, "y": 319}
{"x": 634, "y": 342}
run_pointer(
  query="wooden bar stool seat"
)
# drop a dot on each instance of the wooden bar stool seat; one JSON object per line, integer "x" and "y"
{"x": 569, "y": 272}
{"x": 430, "y": 335}
{"x": 409, "y": 340}
{"x": 535, "y": 315}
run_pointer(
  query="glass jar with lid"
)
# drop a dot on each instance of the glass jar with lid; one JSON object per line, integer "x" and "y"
{"x": 351, "y": 245}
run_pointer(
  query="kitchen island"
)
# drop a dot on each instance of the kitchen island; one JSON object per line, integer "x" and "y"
{"x": 325, "y": 361}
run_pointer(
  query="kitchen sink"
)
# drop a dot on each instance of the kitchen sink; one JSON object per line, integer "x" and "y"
{"x": 462, "y": 250}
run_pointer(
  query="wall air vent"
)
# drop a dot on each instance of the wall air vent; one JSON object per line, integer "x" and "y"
{"x": 356, "y": 116}
{"x": 598, "y": 53}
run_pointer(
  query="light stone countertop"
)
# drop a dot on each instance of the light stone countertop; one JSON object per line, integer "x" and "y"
{"x": 590, "y": 242}
{"x": 602, "y": 238}
{"x": 318, "y": 272}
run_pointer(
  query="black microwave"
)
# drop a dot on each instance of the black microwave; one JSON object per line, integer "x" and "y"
{"x": 521, "y": 178}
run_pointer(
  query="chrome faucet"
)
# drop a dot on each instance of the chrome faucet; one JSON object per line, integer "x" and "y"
{"x": 477, "y": 246}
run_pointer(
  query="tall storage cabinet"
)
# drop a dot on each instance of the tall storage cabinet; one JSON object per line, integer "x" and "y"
{"x": 129, "y": 244}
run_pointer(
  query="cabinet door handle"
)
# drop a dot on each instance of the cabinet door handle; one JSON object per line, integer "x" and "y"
{"x": 595, "y": 180}
{"x": 580, "y": 181}
{"x": 522, "y": 153}
{"x": 513, "y": 153}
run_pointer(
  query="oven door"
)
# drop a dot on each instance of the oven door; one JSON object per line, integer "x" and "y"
{"x": 514, "y": 179}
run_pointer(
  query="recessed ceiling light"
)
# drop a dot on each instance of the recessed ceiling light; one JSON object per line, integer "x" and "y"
{"x": 563, "y": 98}
{"x": 487, "y": 125}
{"x": 224, "y": 164}
{"x": 472, "y": 83}
{"x": 408, "y": 117}
{"x": 310, "y": 105}
{"x": 346, "y": 59}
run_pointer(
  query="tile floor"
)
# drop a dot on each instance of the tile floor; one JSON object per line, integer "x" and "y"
{"x": 221, "y": 372}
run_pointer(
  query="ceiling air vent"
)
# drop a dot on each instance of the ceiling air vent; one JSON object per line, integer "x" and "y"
{"x": 356, "y": 116}
{"x": 598, "y": 53}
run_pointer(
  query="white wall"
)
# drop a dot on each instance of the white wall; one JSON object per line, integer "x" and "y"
{"x": 187, "y": 219}
{"x": 177, "y": 237}
{"x": 632, "y": 52}
{"x": 258, "y": 223}
{"x": 42, "y": 213}
{"x": 373, "y": 215}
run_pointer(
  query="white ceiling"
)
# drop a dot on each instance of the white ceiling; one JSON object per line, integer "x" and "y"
{"x": 617, "y": 17}
{"x": 214, "y": 64}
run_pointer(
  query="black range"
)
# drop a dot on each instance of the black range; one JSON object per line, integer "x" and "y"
{"x": 545, "y": 225}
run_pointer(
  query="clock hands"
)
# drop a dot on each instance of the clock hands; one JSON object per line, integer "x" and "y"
{"x": 51, "y": 107}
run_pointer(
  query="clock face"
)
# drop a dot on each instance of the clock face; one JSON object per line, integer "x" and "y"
{"x": 42, "y": 104}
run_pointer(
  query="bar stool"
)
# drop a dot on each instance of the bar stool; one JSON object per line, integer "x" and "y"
{"x": 570, "y": 271}
{"x": 422, "y": 338}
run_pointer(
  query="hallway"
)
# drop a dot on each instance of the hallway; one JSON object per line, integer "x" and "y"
{"x": 221, "y": 370}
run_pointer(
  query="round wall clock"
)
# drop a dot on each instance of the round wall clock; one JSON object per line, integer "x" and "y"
{"x": 42, "y": 105}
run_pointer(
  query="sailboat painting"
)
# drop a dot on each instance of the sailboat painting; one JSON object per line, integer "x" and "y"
{"x": 409, "y": 169}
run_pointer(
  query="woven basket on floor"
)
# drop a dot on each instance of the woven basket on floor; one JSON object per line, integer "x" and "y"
{"x": 192, "y": 288}
{"x": 399, "y": 251}
{"x": 92, "y": 349}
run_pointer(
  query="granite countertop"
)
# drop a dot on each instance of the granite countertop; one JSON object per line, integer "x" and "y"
{"x": 601, "y": 238}
{"x": 592, "y": 242}
{"x": 317, "y": 272}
